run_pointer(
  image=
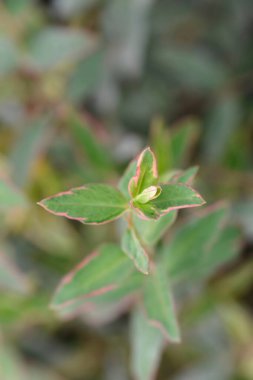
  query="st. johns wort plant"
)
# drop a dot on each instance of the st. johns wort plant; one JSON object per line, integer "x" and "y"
{"x": 138, "y": 273}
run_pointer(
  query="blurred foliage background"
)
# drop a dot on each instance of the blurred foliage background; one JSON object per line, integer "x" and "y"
{"x": 83, "y": 84}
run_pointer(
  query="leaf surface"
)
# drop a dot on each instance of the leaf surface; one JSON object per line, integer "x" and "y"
{"x": 97, "y": 274}
{"x": 146, "y": 173}
{"x": 147, "y": 344}
{"x": 152, "y": 230}
{"x": 133, "y": 248}
{"x": 175, "y": 196}
{"x": 91, "y": 204}
{"x": 159, "y": 305}
{"x": 196, "y": 249}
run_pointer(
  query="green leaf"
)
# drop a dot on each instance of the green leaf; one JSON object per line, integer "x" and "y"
{"x": 89, "y": 204}
{"x": 100, "y": 272}
{"x": 9, "y": 56}
{"x": 226, "y": 248}
{"x": 161, "y": 145}
{"x": 84, "y": 137}
{"x": 86, "y": 77}
{"x": 10, "y": 197}
{"x": 28, "y": 148}
{"x": 57, "y": 45}
{"x": 152, "y": 230}
{"x": 111, "y": 303}
{"x": 183, "y": 137}
{"x": 147, "y": 345}
{"x": 186, "y": 176}
{"x": 175, "y": 197}
{"x": 159, "y": 305}
{"x": 128, "y": 174}
{"x": 185, "y": 257}
{"x": 133, "y": 248}
{"x": 146, "y": 173}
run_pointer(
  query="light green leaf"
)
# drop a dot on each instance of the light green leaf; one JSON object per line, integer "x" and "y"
{"x": 146, "y": 173}
{"x": 191, "y": 251}
{"x": 11, "y": 277}
{"x": 183, "y": 137}
{"x": 57, "y": 45}
{"x": 128, "y": 174}
{"x": 100, "y": 272}
{"x": 186, "y": 176}
{"x": 10, "y": 197}
{"x": 84, "y": 137}
{"x": 8, "y": 54}
{"x": 159, "y": 305}
{"x": 152, "y": 230}
{"x": 90, "y": 204}
{"x": 151, "y": 192}
{"x": 28, "y": 147}
{"x": 86, "y": 77}
{"x": 113, "y": 302}
{"x": 133, "y": 248}
{"x": 175, "y": 197}
{"x": 161, "y": 144}
{"x": 147, "y": 344}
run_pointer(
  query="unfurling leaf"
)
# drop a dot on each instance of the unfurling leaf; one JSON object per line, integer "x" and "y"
{"x": 146, "y": 173}
{"x": 90, "y": 204}
{"x": 133, "y": 248}
{"x": 172, "y": 197}
{"x": 151, "y": 192}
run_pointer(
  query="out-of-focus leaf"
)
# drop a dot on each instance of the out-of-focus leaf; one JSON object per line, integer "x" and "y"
{"x": 186, "y": 176}
{"x": 192, "y": 68}
{"x": 83, "y": 135}
{"x": 161, "y": 144}
{"x": 223, "y": 119}
{"x": 146, "y": 173}
{"x": 152, "y": 230}
{"x": 11, "y": 366}
{"x": 128, "y": 174}
{"x": 147, "y": 344}
{"x": 8, "y": 56}
{"x": 200, "y": 246}
{"x": 56, "y": 46}
{"x": 159, "y": 305}
{"x": 10, "y": 197}
{"x": 90, "y": 204}
{"x": 86, "y": 77}
{"x": 15, "y": 6}
{"x": 133, "y": 248}
{"x": 66, "y": 8}
{"x": 11, "y": 277}
{"x": 183, "y": 138}
{"x": 27, "y": 149}
{"x": 114, "y": 302}
{"x": 243, "y": 213}
{"x": 101, "y": 272}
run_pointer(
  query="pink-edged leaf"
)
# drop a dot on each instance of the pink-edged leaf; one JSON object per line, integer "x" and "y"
{"x": 176, "y": 196}
{"x": 100, "y": 272}
{"x": 147, "y": 344}
{"x": 89, "y": 204}
{"x": 132, "y": 246}
{"x": 172, "y": 197}
{"x": 158, "y": 302}
{"x": 146, "y": 173}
